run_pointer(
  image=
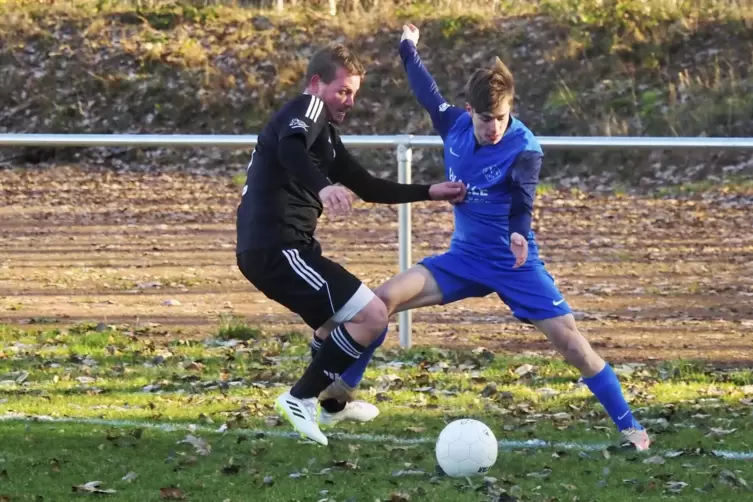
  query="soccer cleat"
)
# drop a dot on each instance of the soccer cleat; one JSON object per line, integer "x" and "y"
{"x": 301, "y": 413}
{"x": 637, "y": 438}
{"x": 358, "y": 411}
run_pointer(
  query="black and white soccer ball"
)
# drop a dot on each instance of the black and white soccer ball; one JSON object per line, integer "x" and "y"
{"x": 466, "y": 447}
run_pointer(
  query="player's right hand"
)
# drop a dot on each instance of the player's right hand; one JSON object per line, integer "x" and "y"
{"x": 410, "y": 32}
{"x": 519, "y": 247}
{"x": 336, "y": 199}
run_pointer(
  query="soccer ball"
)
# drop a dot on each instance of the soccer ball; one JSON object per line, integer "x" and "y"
{"x": 466, "y": 447}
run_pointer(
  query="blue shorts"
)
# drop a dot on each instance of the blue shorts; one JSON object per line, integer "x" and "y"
{"x": 529, "y": 291}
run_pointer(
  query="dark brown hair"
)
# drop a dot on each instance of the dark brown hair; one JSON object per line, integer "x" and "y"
{"x": 488, "y": 88}
{"x": 328, "y": 59}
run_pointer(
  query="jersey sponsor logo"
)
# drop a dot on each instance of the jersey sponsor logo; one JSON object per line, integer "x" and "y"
{"x": 314, "y": 109}
{"x": 474, "y": 193}
{"x": 443, "y": 107}
{"x": 298, "y": 124}
{"x": 492, "y": 173}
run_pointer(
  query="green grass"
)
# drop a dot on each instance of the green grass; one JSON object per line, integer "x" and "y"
{"x": 114, "y": 373}
{"x": 692, "y": 189}
{"x": 48, "y": 460}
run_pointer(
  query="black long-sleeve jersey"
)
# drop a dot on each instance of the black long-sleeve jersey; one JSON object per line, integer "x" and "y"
{"x": 298, "y": 153}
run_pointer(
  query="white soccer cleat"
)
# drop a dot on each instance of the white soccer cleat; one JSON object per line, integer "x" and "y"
{"x": 358, "y": 411}
{"x": 636, "y": 437}
{"x": 301, "y": 413}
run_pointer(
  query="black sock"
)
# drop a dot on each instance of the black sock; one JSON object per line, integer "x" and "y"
{"x": 337, "y": 353}
{"x": 316, "y": 344}
{"x": 333, "y": 405}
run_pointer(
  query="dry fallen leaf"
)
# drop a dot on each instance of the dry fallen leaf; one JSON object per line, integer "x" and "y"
{"x": 655, "y": 460}
{"x": 272, "y": 421}
{"x": 201, "y": 446}
{"x": 131, "y": 476}
{"x": 93, "y": 487}
{"x": 171, "y": 493}
{"x": 675, "y": 486}
{"x": 524, "y": 369}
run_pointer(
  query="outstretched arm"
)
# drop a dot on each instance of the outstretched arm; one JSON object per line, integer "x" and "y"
{"x": 443, "y": 115}
{"x": 348, "y": 171}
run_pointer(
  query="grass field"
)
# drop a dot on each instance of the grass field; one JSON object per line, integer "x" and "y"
{"x": 194, "y": 419}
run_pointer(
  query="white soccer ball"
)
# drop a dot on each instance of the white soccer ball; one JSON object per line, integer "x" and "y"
{"x": 466, "y": 447}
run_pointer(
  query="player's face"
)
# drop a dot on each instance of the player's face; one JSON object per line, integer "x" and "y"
{"x": 490, "y": 126}
{"x": 340, "y": 94}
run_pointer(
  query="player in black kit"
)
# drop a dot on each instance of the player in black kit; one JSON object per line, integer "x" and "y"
{"x": 296, "y": 171}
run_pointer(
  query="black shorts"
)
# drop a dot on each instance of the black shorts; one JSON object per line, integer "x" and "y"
{"x": 307, "y": 283}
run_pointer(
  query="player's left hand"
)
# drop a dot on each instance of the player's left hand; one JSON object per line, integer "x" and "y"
{"x": 519, "y": 248}
{"x": 452, "y": 191}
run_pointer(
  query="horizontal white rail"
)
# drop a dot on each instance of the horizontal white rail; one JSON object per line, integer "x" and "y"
{"x": 374, "y": 141}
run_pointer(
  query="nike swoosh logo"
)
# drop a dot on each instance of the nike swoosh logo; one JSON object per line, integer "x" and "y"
{"x": 455, "y": 154}
{"x": 623, "y": 415}
{"x": 555, "y": 303}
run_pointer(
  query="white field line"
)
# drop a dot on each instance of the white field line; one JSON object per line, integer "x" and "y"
{"x": 536, "y": 444}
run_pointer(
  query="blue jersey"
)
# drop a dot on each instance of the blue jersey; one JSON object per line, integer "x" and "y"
{"x": 501, "y": 179}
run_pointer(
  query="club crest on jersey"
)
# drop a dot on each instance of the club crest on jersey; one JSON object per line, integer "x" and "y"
{"x": 492, "y": 173}
{"x": 298, "y": 124}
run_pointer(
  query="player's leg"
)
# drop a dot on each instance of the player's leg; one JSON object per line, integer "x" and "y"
{"x": 413, "y": 288}
{"x": 435, "y": 280}
{"x": 318, "y": 290}
{"x": 338, "y": 401}
{"x": 416, "y": 287}
{"x": 532, "y": 295}
{"x": 598, "y": 375}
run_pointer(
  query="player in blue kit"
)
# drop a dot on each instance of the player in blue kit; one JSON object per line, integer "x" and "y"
{"x": 493, "y": 249}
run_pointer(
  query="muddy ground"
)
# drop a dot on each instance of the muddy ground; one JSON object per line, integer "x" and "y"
{"x": 649, "y": 278}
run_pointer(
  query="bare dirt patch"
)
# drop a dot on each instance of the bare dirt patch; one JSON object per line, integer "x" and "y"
{"x": 650, "y": 278}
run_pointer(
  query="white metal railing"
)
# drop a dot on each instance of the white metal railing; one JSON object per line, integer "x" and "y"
{"x": 403, "y": 145}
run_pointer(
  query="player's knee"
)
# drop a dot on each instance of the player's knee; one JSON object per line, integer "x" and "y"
{"x": 576, "y": 349}
{"x": 567, "y": 339}
{"x": 374, "y": 316}
{"x": 384, "y": 296}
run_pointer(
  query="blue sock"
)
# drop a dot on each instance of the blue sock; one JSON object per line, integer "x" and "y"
{"x": 354, "y": 374}
{"x": 607, "y": 390}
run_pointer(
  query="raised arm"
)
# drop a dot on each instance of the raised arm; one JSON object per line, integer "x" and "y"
{"x": 443, "y": 115}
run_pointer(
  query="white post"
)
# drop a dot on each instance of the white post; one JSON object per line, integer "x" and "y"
{"x": 404, "y": 157}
